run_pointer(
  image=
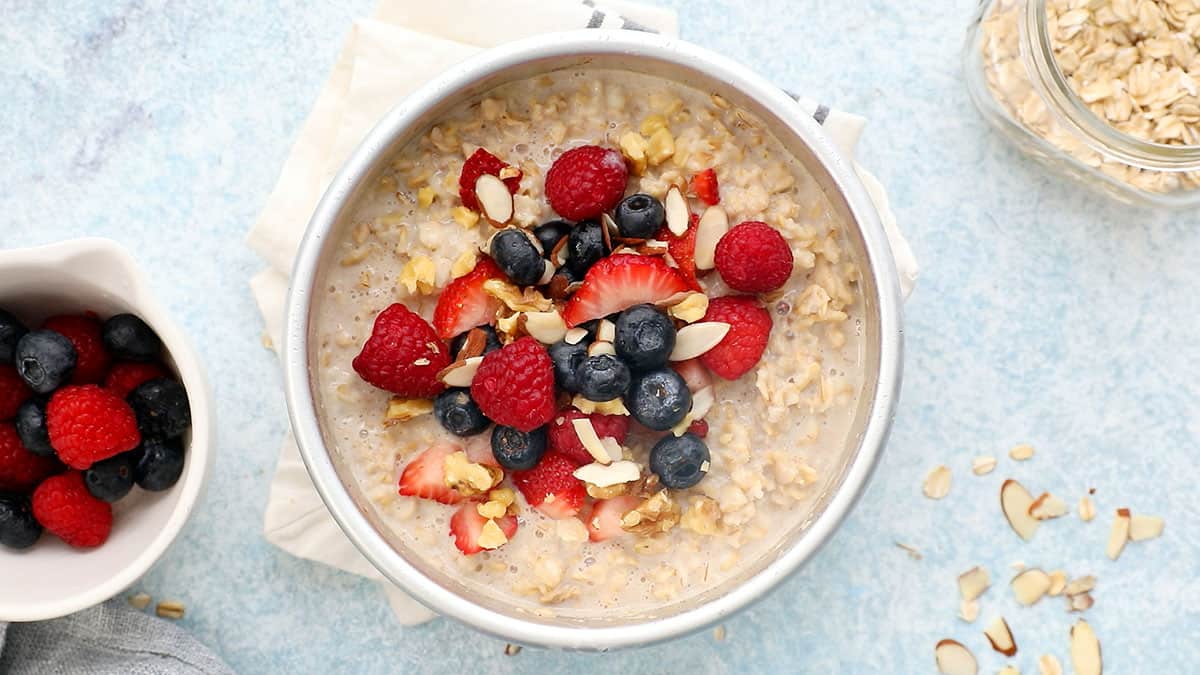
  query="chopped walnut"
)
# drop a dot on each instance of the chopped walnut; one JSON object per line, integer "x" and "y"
{"x": 403, "y": 410}
{"x": 528, "y": 301}
{"x": 597, "y": 492}
{"x": 658, "y": 513}
{"x": 468, "y": 478}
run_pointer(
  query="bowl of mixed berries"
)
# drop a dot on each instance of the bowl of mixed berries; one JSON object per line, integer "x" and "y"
{"x": 99, "y": 396}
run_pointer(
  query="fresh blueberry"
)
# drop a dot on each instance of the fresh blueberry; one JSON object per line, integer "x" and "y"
{"x": 111, "y": 479}
{"x": 566, "y": 358}
{"x": 128, "y": 337}
{"x": 585, "y": 246}
{"x": 645, "y": 337}
{"x": 518, "y": 450}
{"x": 602, "y": 377}
{"x": 162, "y": 408}
{"x": 459, "y": 413}
{"x": 492, "y": 343}
{"x": 659, "y": 399}
{"x": 11, "y": 330}
{"x": 679, "y": 461}
{"x": 31, "y": 427}
{"x": 639, "y": 216}
{"x": 517, "y": 257}
{"x": 549, "y": 234}
{"x": 159, "y": 463}
{"x": 45, "y": 359}
{"x": 18, "y": 528}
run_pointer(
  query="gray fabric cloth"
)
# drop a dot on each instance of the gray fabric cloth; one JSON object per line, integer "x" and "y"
{"x": 111, "y": 639}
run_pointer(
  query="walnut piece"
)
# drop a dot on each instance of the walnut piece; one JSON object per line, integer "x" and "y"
{"x": 656, "y": 514}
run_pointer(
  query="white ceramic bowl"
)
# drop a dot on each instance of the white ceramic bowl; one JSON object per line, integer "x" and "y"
{"x": 52, "y": 579}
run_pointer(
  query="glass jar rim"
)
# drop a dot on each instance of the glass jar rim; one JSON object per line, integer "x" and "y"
{"x": 1074, "y": 113}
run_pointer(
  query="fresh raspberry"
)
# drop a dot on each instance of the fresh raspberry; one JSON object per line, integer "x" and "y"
{"x": 683, "y": 251}
{"x": 63, "y": 505}
{"x": 565, "y": 441}
{"x": 125, "y": 376}
{"x": 13, "y": 392}
{"x": 754, "y": 258}
{"x": 92, "y": 360}
{"x": 20, "y": 469}
{"x": 743, "y": 345}
{"x": 514, "y": 386}
{"x": 585, "y": 182}
{"x": 700, "y": 428}
{"x": 551, "y": 487}
{"x": 704, "y": 186}
{"x": 88, "y": 424}
{"x": 480, "y": 162}
{"x": 403, "y": 355}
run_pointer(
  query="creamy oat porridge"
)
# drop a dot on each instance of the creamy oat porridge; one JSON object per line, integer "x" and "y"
{"x": 613, "y": 323}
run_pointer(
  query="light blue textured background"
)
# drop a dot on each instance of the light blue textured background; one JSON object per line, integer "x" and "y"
{"x": 1045, "y": 315}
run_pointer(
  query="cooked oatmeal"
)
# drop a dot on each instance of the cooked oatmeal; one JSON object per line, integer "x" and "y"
{"x": 775, "y": 435}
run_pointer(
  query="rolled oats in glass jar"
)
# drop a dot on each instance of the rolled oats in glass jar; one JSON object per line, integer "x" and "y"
{"x": 1106, "y": 91}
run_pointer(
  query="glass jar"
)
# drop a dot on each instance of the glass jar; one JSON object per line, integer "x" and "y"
{"x": 1015, "y": 79}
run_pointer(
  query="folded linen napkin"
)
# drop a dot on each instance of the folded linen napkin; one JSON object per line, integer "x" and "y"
{"x": 385, "y": 58}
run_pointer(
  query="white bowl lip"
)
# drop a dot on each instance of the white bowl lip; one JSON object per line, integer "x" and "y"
{"x": 200, "y": 453}
{"x": 302, "y": 408}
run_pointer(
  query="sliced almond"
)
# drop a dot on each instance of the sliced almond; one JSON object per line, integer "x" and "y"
{"x": 1080, "y": 585}
{"x": 677, "y": 214}
{"x": 954, "y": 659}
{"x": 1030, "y": 585}
{"x": 574, "y": 336}
{"x": 1080, "y": 602}
{"x": 697, "y": 338}
{"x": 1048, "y": 664}
{"x": 1058, "y": 583}
{"x": 1142, "y": 528}
{"x": 702, "y": 402}
{"x": 545, "y": 327}
{"x": 608, "y": 228}
{"x": 983, "y": 465}
{"x": 713, "y": 225}
{"x": 405, "y": 409}
{"x": 1047, "y": 506}
{"x": 461, "y": 373}
{"x": 1085, "y": 650}
{"x": 495, "y": 200}
{"x": 1008, "y": 670}
{"x": 973, "y": 582}
{"x": 547, "y": 273}
{"x": 604, "y": 475}
{"x": 1015, "y": 501}
{"x": 606, "y": 331}
{"x": 612, "y": 447}
{"x": 1087, "y": 510}
{"x": 937, "y": 482}
{"x": 1001, "y": 637}
{"x": 559, "y": 254}
{"x": 590, "y": 440}
{"x": 1119, "y": 535}
{"x": 968, "y": 610}
{"x": 1021, "y": 452}
{"x": 597, "y": 348}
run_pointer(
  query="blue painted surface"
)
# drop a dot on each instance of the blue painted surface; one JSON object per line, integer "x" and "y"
{"x": 1045, "y": 314}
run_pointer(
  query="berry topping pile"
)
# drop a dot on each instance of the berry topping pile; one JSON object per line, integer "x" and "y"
{"x": 571, "y": 362}
{"x": 88, "y": 411}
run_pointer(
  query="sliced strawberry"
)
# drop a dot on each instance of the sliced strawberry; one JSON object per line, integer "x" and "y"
{"x": 425, "y": 475}
{"x": 605, "y": 519}
{"x": 621, "y": 281}
{"x": 694, "y": 373}
{"x": 683, "y": 251}
{"x": 479, "y": 163}
{"x": 551, "y": 488}
{"x": 466, "y": 525}
{"x": 464, "y": 304}
{"x": 704, "y": 186}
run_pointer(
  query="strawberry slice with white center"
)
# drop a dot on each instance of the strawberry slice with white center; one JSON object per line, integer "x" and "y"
{"x": 619, "y": 282}
{"x": 467, "y": 527}
{"x": 464, "y": 304}
{"x": 605, "y": 520}
{"x": 551, "y": 487}
{"x": 425, "y": 475}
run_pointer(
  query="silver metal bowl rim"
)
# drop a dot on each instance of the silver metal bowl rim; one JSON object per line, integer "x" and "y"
{"x": 302, "y": 408}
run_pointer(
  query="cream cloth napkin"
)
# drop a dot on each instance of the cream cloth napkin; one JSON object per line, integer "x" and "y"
{"x": 385, "y": 58}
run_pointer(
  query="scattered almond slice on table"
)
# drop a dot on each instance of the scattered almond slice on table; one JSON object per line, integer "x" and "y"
{"x": 1015, "y": 502}
{"x": 1085, "y": 650}
{"x": 981, "y": 466}
{"x": 973, "y": 582}
{"x": 1030, "y": 585}
{"x": 1142, "y": 527}
{"x": 1021, "y": 452}
{"x": 1047, "y": 506}
{"x": 953, "y": 658}
{"x": 1008, "y": 670}
{"x": 1087, "y": 510}
{"x": 937, "y": 483}
{"x": 1048, "y": 664}
{"x": 1119, "y": 535}
{"x": 1000, "y": 637}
